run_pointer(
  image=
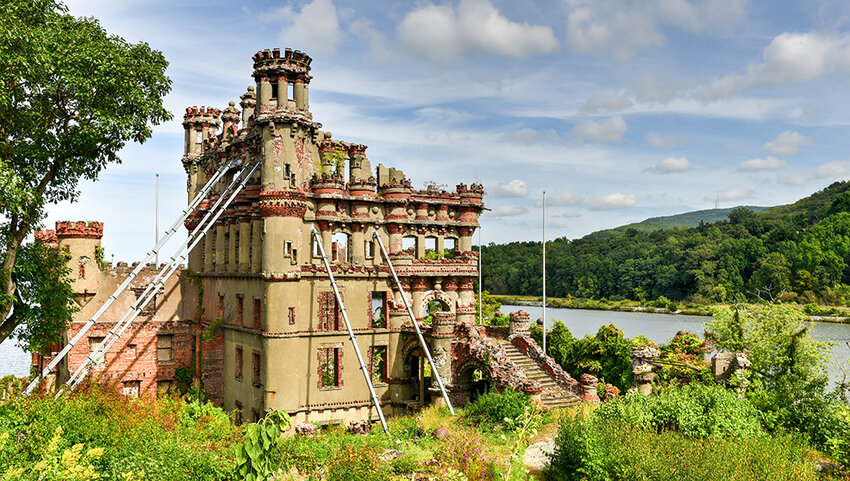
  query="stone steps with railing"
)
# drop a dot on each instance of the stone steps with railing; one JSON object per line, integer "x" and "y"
{"x": 553, "y": 395}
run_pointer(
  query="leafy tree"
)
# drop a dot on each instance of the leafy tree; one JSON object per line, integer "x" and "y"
{"x": 72, "y": 96}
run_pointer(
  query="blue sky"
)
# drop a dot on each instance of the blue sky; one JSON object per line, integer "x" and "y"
{"x": 619, "y": 110}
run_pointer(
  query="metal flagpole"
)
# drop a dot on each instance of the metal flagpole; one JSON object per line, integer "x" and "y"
{"x": 366, "y": 374}
{"x": 544, "y": 272}
{"x": 156, "y": 219}
{"x": 415, "y": 324}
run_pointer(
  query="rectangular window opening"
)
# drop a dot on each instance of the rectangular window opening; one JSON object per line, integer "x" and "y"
{"x": 238, "y": 369}
{"x": 379, "y": 314}
{"x": 257, "y": 314}
{"x": 329, "y": 360}
{"x": 255, "y": 368}
{"x": 94, "y": 344}
{"x": 164, "y": 348}
{"x": 379, "y": 364}
{"x": 132, "y": 388}
{"x": 287, "y": 249}
{"x": 240, "y": 310}
{"x": 408, "y": 245}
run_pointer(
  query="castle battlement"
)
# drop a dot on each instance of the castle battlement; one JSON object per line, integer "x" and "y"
{"x": 79, "y": 230}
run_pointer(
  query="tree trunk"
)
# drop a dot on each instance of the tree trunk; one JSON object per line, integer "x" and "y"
{"x": 7, "y": 281}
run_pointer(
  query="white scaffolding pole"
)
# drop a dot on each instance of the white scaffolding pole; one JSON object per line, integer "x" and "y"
{"x": 149, "y": 293}
{"x": 415, "y": 324}
{"x": 154, "y": 252}
{"x": 366, "y": 374}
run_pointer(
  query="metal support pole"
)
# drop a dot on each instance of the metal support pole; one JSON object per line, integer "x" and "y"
{"x": 159, "y": 281}
{"x": 544, "y": 272}
{"x": 415, "y": 324}
{"x": 366, "y": 374}
{"x": 480, "y": 311}
{"x": 170, "y": 232}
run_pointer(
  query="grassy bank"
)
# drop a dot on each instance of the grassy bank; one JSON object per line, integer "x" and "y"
{"x": 662, "y": 305}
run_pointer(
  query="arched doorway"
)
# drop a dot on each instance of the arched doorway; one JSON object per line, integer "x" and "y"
{"x": 418, "y": 378}
{"x": 471, "y": 380}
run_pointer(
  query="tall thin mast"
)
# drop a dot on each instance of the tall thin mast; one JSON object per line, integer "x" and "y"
{"x": 544, "y": 271}
{"x": 156, "y": 219}
{"x": 480, "y": 312}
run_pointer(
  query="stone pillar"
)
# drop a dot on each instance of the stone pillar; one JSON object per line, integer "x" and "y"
{"x": 588, "y": 388}
{"x": 416, "y": 292}
{"x": 642, "y": 369}
{"x": 245, "y": 243}
{"x": 450, "y": 288}
{"x": 208, "y": 251}
{"x": 464, "y": 243}
{"x": 441, "y": 349}
{"x": 248, "y": 104}
{"x": 299, "y": 91}
{"x": 256, "y": 243}
{"x": 466, "y": 301}
{"x": 220, "y": 247}
{"x": 233, "y": 228}
{"x": 395, "y": 232}
{"x": 358, "y": 247}
{"x": 519, "y": 323}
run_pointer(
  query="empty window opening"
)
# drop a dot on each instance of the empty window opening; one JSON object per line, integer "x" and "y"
{"x": 199, "y": 137}
{"x": 237, "y": 237}
{"x": 165, "y": 348}
{"x": 433, "y": 306}
{"x": 291, "y": 315}
{"x": 132, "y": 388}
{"x": 287, "y": 249}
{"x": 370, "y": 249}
{"x": 130, "y": 351}
{"x": 94, "y": 345}
{"x": 316, "y": 251}
{"x": 238, "y": 366}
{"x": 240, "y": 310}
{"x": 255, "y": 369}
{"x": 379, "y": 315}
{"x": 257, "y": 314}
{"x": 274, "y": 91}
{"x": 226, "y": 247}
{"x": 378, "y": 363}
{"x": 339, "y": 248}
{"x": 431, "y": 248}
{"x": 163, "y": 387}
{"x": 408, "y": 245}
{"x": 290, "y": 91}
{"x": 449, "y": 245}
{"x": 329, "y": 359}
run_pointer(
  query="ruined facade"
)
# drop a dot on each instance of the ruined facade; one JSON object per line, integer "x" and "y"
{"x": 262, "y": 325}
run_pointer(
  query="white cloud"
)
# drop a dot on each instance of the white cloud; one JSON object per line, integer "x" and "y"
{"x": 610, "y": 130}
{"x": 795, "y": 180}
{"x": 626, "y": 28}
{"x": 731, "y": 195}
{"x": 787, "y": 143}
{"x": 767, "y": 163}
{"x": 614, "y": 201}
{"x": 443, "y": 33}
{"x": 606, "y": 103}
{"x": 561, "y": 198}
{"x": 790, "y": 57}
{"x": 508, "y": 211}
{"x": 513, "y": 188}
{"x": 672, "y": 165}
{"x": 832, "y": 169}
{"x": 664, "y": 141}
{"x": 568, "y": 214}
{"x": 314, "y": 29}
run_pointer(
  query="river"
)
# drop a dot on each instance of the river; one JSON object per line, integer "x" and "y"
{"x": 662, "y": 327}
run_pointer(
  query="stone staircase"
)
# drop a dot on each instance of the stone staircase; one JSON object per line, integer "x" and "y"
{"x": 553, "y": 395}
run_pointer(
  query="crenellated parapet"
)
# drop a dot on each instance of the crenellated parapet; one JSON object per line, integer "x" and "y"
{"x": 79, "y": 230}
{"x": 47, "y": 237}
{"x": 282, "y": 80}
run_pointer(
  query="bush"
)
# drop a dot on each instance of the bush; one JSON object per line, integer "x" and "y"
{"x": 360, "y": 464}
{"x": 494, "y": 407}
{"x": 694, "y": 410}
{"x": 593, "y": 449}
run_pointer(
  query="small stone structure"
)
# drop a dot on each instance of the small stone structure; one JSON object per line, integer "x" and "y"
{"x": 724, "y": 365}
{"x": 642, "y": 357}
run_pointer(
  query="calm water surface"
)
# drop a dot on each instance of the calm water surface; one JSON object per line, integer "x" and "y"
{"x": 662, "y": 327}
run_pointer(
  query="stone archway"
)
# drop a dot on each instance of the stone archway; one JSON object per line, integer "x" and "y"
{"x": 471, "y": 379}
{"x": 439, "y": 297}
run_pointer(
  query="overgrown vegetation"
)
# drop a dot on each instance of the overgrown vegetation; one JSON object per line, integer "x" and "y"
{"x": 796, "y": 253}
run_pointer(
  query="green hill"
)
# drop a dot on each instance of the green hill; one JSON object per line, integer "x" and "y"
{"x": 687, "y": 219}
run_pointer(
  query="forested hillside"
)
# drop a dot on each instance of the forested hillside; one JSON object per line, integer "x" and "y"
{"x": 800, "y": 251}
{"x": 688, "y": 219}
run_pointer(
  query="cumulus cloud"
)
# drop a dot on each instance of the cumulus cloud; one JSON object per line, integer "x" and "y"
{"x": 508, "y": 211}
{"x": 513, "y": 188}
{"x": 787, "y": 143}
{"x": 790, "y": 57}
{"x": 443, "y": 33}
{"x": 624, "y": 29}
{"x": 672, "y": 165}
{"x": 832, "y": 169}
{"x": 610, "y": 130}
{"x": 315, "y": 28}
{"x": 605, "y": 103}
{"x": 731, "y": 195}
{"x": 767, "y": 163}
{"x": 561, "y": 198}
{"x": 664, "y": 141}
{"x": 613, "y": 201}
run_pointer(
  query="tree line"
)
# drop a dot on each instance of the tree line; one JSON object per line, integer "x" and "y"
{"x": 798, "y": 252}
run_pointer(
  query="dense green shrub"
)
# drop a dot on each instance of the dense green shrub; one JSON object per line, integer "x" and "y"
{"x": 158, "y": 436}
{"x": 605, "y": 355}
{"x": 595, "y": 449}
{"x": 694, "y": 410}
{"x": 492, "y": 408}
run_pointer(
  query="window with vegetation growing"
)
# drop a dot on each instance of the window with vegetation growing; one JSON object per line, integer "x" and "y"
{"x": 329, "y": 364}
{"x": 379, "y": 318}
{"x": 378, "y": 364}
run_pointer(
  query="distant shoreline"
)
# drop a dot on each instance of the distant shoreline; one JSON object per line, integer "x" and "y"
{"x": 649, "y": 307}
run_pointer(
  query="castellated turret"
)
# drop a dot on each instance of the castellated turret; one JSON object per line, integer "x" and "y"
{"x": 82, "y": 241}
{"x": 282, "y": 81}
